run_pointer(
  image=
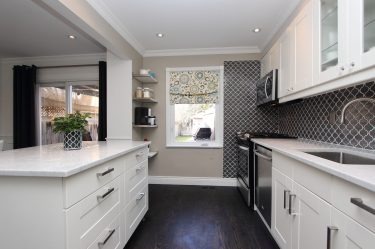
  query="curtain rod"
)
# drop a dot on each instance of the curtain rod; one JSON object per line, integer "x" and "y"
{"x": 85, "y": 65}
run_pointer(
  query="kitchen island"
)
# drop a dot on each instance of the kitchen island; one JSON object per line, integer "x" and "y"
{"x": 90, "y": 198}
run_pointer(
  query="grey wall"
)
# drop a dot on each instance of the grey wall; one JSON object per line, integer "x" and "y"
{"x": 310, "y": 118}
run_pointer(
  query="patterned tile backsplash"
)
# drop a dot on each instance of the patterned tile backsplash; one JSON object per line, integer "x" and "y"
{"x": 240, "y": 111}
{"x": 310, "y": 119}
{"x": 316, "y": 118}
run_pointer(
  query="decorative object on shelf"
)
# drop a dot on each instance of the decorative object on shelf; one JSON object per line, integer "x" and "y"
{"x": 148, "y": 93}
{"x": 139, "y": 93}
{"x": 144, "y": 71}
{"x": 72, "y": 125}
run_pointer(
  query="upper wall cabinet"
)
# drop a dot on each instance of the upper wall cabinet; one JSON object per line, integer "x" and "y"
{"x": 330, "y": 44}
{"x": 345, "y": 37}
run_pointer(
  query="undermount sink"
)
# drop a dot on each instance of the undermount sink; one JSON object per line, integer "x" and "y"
{"x": 343, "y": 157}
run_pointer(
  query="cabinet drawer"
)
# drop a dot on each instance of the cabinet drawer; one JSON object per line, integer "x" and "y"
{"x": 133, "y": 177}
{"x": 111, "y": 237}
{"x": 343, "y": 191}
{"x": 283, "y": 164}
{"x": 136, "y": 157}
{"x": 136, "y": 210}
{"x": 81, "y": 185}
{"x": 87, "y": 219}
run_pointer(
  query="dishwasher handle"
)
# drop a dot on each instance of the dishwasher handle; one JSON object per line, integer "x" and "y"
{"x": 262, "y": 156}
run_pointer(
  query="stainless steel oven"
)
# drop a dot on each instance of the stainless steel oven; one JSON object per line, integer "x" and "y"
{"x": 266, "y": 89}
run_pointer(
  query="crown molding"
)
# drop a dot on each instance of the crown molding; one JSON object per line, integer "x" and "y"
{"x": 201, "y": 51}
{"x": 107, "y": 14}
{"x": 72, "y": 58}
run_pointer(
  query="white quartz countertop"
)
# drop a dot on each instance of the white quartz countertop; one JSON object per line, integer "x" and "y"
{"x": 54, "y": 161}
{"x": 362, "y": 175}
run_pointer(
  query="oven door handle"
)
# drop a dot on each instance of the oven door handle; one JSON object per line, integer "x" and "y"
{"x": 243, "y": 148}
{"x": 262, "y": 156}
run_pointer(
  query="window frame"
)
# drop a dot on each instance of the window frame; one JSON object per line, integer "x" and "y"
{"x": 219, "y": 113}
{"x": 68, "y": 85}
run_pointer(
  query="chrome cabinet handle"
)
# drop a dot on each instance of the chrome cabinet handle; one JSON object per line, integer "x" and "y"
{"x": 106, "y": 194}
{"x": 141, "y": 195}
{"x": 139, "y": 154}
{"x": 290, "y": 204}
{"x": 359, "y": 202}
{"x": 138, "y": 169}
{"x": 111, "y": 232}
{"x": 329, "y": 231}
{"x": 352, "y": 64}
{"x": 265, "y": 86}
{"x": 106, "y": 172}
{"x": 286, "y": 192}
{"x": 262, "y": 156}
{"x": 342, "y": 68}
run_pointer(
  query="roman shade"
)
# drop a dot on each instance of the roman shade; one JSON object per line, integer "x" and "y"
{"x": 194, "y": 86}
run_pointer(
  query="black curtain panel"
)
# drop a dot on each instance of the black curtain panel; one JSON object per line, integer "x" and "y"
{"x": 24, "y": 130}
{"x": 102, "y": 128}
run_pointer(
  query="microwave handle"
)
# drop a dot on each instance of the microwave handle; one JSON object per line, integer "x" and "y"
{"x": 265, "y": 86}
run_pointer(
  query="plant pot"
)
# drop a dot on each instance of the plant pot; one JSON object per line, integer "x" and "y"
{"x": 73, "y": 140}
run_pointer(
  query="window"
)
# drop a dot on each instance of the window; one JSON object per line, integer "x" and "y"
{"x": 58, "y": 99}
{"x": 195, "y": 107}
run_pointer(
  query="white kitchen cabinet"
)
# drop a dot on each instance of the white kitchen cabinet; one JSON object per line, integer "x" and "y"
{"x": 303, "y": 46}
{"x": 287, "y": 63}
{"x": 275, "y": 57}
{"x": 311, "y": 217}
{"x": 348, "y": 234}
{"x": 281, "y": 226}
{"x": 318, "y": 202}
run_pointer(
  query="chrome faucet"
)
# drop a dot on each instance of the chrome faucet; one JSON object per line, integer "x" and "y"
{"x": 351, "y": 102}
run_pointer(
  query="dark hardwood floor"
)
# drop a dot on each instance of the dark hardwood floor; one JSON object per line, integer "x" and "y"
{"x": 196, "y": 217}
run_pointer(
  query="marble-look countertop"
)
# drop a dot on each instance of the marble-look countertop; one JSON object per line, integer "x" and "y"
{"x": 54, "y": 161}
{"x": 362, "y": 175}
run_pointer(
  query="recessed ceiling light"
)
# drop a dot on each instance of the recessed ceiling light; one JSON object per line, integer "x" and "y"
{"x": 160, "y": 35}
{"x": 256, "y": 30}
{"x": 71, "y": 37}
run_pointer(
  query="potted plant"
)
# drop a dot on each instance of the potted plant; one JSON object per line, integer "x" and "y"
{"x": 72, "y": 125}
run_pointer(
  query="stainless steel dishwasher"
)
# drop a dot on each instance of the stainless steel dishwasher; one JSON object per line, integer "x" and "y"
{"x": 263, "y": 181}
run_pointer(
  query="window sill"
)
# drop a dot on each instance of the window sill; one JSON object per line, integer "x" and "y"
{"x": 190, "y": 146}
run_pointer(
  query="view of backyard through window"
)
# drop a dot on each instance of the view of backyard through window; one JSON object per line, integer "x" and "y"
{"x": 56, "y": 101}
{"x": 194, "y": 122}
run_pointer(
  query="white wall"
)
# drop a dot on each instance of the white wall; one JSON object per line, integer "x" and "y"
{"x": 6, "y": 83}
{"x": 119, "y": 97}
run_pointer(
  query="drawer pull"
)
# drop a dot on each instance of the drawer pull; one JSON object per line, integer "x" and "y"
{"x": 359, "y": 202}
{"x": 105, "y": 172}
{"x": 290, "y": 204}
{"x": 285, "y": 193}
{"x": 139, "y": 154}
{"x": 111, "y": 232}
{"x": 140, "y": 196}
{"x": 329, "y": 231}
{"x": 106, "y": 194}
{"x": 139, "y": 169}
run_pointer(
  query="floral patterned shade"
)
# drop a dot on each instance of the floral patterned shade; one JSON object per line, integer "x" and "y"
{"x": 194, "y": 87}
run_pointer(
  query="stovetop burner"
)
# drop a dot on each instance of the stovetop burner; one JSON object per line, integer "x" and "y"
{"x": 246, "y": 136}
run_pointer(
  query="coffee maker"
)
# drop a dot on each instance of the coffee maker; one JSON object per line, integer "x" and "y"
{"x": 141, "y": 115}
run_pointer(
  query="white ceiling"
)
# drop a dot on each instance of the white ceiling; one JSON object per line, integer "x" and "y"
{"x": 26, "y": 30}
{"x": 196, "y": 24}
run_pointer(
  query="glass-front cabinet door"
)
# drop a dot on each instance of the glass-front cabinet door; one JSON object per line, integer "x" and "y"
{"x": 331, "y": 42}
{"x": 368, "y": 35}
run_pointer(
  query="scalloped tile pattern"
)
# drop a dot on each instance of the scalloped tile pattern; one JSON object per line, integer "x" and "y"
{"x": 240, "y": 111}
{"x": 311, "y": 118}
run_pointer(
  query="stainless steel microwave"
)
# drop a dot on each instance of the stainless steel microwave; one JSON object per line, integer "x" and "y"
{"x": 266, "y": 89}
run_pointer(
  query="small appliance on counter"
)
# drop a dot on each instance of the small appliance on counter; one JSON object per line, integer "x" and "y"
{"x": 151, "y": 120}
{"x": 141, "y": 115}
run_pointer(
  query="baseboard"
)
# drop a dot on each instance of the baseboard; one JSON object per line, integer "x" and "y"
{"x": 201, "y": 181}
